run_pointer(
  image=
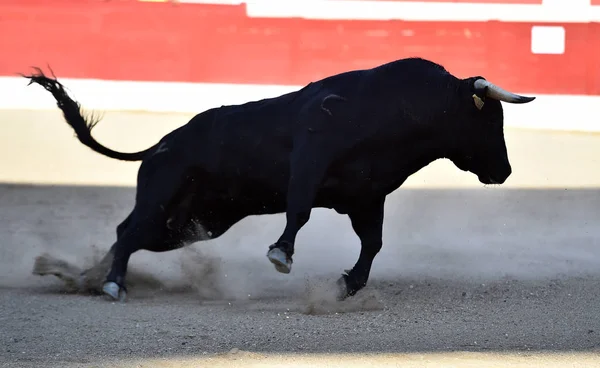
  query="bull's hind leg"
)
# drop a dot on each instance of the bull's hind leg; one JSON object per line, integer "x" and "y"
{"x": 123, "y": 225}
{"x": 367, "y": 222}
{"x": 147, "y": 234}
{"x": 93, "y": 278}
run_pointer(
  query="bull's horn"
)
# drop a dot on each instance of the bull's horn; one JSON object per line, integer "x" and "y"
{"x": 499, "y": 94}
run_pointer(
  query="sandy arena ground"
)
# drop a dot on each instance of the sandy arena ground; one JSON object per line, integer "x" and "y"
{"x": 469, "y": 276}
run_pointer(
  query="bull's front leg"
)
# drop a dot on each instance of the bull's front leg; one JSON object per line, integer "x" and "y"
{"x": 367, "y": 222}
{"x": 308, "y": 167}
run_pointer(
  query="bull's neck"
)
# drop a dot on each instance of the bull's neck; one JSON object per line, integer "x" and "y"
{"x": 428, "y": 148}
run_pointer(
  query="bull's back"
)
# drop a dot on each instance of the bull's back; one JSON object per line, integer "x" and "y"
{"x": 247, "y": 143}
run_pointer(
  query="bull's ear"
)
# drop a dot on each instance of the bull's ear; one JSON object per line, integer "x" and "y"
{"x": 478, "y": 101}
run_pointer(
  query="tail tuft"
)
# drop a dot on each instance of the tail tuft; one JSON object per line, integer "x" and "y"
{"x": 72, "y": 113}
{"x": 63, "y": 101}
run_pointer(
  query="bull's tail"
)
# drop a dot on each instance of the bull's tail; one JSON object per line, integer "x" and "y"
{"x": 74, "y": 117}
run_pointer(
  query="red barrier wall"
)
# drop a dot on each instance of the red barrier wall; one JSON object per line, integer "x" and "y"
{"x": 130, "y": 40}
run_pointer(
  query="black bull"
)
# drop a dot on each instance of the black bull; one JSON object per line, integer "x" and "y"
{"x": 344, "y": 142}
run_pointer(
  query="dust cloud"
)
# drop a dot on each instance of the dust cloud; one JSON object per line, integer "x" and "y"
{"x": 510, "y": 234}
{"x": 231, "y": 269}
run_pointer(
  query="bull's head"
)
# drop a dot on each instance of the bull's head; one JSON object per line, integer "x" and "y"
{"x": 482, "y": 149}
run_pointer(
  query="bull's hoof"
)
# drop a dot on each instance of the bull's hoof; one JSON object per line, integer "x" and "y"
{"x": 281, "y": 261}
{"x": 114, "y": 292}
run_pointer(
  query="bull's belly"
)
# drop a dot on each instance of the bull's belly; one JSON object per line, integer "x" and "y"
{"x": 257, "y": 200}
{"x": 356, "y": 184}
{"x": 345, "y": 195}
{"x": 253, "y": 198}
{"x": 339, "y": 192}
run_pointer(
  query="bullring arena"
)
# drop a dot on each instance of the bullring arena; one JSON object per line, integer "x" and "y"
{"x": 469, "y": 275}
